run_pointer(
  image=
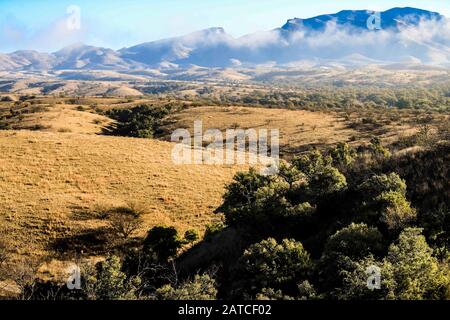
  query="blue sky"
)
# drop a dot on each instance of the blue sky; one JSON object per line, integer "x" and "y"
{"x": 42, "y": 24}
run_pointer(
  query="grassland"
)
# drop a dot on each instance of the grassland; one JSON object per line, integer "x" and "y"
{"x": 58, "y": 169}
{"x": 302, "y": 130}
{"x": 53, "y": 183}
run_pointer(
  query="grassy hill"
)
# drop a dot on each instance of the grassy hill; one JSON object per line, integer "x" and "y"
{"x": 59, "y": 171}
{"x": 53, "y": 184}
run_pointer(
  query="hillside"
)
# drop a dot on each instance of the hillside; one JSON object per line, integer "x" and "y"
{"x": 53, "y": 183}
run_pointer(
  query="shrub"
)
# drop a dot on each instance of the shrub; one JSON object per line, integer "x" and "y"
{"x": 344, "y": 249}
{"x": 163, "y": 241}
{"x": 416, "y": 272}
{"x": 343, "y": 154}
{"x": 384, "y": 198}
{"x": 202, "y": 287}
{"x": 267, "y": 203}
{"x": 141, "y": 121}
{"x": 271, "y": 294}
{"x": 108, "y": 282}
{"x": 409, "y": 272}
{"x": 377, "y": 184}
{"x": 190, "y": 236}
{"x": 322, "y": 178}
{"x": 269, "y": 264}
{"x": 212, "y": 229}
{"x": 396, "y": 212}
{"x": 377, "y": 149}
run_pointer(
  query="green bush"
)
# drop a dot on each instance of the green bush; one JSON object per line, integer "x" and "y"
{"x": 344, "y": 249}
{"x": 191, "y": 235}
{"x": 269, "y": 264}
{"x": 343, "y": 154}
{"x": 202, "y": 287}
{"x": 409, "y": 272}
{"x": 108, "y": 282}
{"x": 396, "y": 210}
{"x": 163, "y": 241}
{"x": 212, "y": 229}
{"x": 141, "y": 122}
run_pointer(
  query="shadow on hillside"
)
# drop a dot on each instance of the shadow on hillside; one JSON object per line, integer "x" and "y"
{"x": 109, "y": 130}
{"x": 223, "y": 249}
{"x": 90, "y": 242}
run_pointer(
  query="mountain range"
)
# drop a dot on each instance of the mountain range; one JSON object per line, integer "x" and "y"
{"x": 402, "y": 35}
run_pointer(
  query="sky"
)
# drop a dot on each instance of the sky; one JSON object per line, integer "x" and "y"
{"x": 49, "y": 25}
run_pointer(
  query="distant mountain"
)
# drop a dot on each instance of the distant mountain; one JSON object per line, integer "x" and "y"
{"x": 33, "y": 60}
{"x": 394, "y": 18}
{"x": 8, "y": 63}
{"x": 80, "y": 56}
{"x": 405, "y": 35}
{"x": 192, "y": 48}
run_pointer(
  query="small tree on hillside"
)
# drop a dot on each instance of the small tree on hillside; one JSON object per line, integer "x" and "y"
{"x": 343, "y": 154}
{"x": 124, "y": 221}
{"x": 377, "y": 149}
{"x": 163, "y": 241}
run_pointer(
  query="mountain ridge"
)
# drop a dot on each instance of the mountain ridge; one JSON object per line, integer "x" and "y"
{"x": 297, "y": 40}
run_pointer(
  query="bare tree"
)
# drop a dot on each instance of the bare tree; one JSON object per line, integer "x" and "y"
{"x": 124, "y": 221}
{"x": 24, "y": 274}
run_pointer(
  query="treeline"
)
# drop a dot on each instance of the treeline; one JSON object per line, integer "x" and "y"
{"x": 433, "y": 98}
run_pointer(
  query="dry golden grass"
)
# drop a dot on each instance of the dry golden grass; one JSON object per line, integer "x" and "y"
{"x": 65, "y": 118}
{"x": 52, "y": 183}
{"x": 298, "y": 128}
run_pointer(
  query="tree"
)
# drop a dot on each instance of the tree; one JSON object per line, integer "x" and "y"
{"x": 396, "y": 210}
{"x": 436, "y": 226}
{"x": 377, "y": 184}
{"x": 163, "y": 241}
{"x": 344, "y": 249}
{"x": 142, "y": 121}
{"x": 240, "y": 195}
{"x": 108, "y": 282}
{"x": 312, "y": 162}
{"x": 377, "y": 149}
{"x": 124, "y": 221}
{"x": 202, "y": 287}
{"x": 416, "y": 272}
{"x": 355, "y": 281}
{"x": 343, "y": 154}
{"x": 384, "y": 198}
{"x": 408, "y": 272}
{"x": 326, "y": 182}
{"x": 279, "y": 266}
{"x": 322, "y": 178}
{"x": 269, "y": 202}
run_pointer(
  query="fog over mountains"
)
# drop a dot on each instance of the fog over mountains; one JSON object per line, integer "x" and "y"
{"x": 403, "y": 35}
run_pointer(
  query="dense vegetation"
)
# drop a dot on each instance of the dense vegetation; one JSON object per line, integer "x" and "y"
{"x": 142, "y": 121}
{"x": 436, "y": 97}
